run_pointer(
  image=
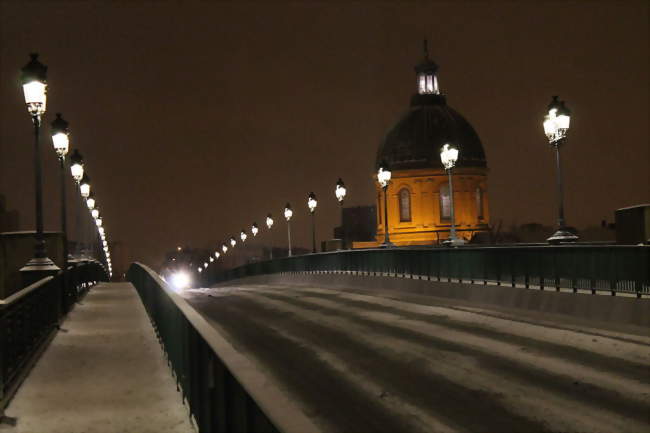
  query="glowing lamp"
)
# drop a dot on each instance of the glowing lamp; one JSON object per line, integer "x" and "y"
{"x": 224, "y": 248}
{"x": 60, "y": 136}
{"x": 94, "y": 213}
{"x": 90, "y": 201}
{"x": 340, "y": 190}
{"x": 448, "y": 156}
{"x": 243, "y": 235}
{"x": 34, "y": 80}
{"x": 233, "y": 242}
{"x": 383, "y": 174}
{"x": 99, "y": 222}
{"x": 288, "y": 213}
{"x": 254, "y": 229}
{"x": 269, "y": 221}
{"x": 76, "y": 166}
{"x": 84, "y": 186}
{"x": 312, "y": 202}
{"x": 557, "y": 121}
{"x": 216, "y": 254}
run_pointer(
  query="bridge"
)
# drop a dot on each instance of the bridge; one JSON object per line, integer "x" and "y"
{"x": 494, "y": 339}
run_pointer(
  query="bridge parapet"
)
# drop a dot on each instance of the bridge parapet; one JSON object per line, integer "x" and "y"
{"x": 30, "y": 317}
{"x": 611, "y": 268}
{"x": 223, "y": 388}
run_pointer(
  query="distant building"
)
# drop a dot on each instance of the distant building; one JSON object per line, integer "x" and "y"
{"x": 419, "y": 205}
{"x": 357, "y": 225}
{"x": 633, "y": 224}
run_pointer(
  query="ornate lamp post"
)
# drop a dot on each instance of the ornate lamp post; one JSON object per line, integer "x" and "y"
{"x": 224, "y": 248}
{"x": 90, "y": 201}
{"x": 449, "y": 156}
{"x": 340, "y": 191}
{"x": 383, "y": 177}
{"x": 233, "y": 242}
{"x": 61, "y": 143}
{"x": 243, "y": 235}
{"x": 34, "y": 81}
{"x": 84, "y": 186}
{"x": 269, "y": 224}
{"x": 556, "y": 128}
{"x": 254, "y": 229}
{"x": 77, "y": 172}
{"x": 311, "y": 204}
{"x": 288, "y": 213}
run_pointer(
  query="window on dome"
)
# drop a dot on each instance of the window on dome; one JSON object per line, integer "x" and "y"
{"x": 479, "y": 203}
{"x": 445, "y": 202}
{"x": 404, "y": 205}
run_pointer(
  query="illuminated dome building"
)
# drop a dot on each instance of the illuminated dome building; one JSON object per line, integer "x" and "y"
{"x": 418, "y": 195}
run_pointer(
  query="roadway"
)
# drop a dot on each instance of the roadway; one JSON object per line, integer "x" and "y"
{"x": 361, "y": 361}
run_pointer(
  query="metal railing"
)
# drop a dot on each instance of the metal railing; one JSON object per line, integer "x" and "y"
{"x": 611, "y": 268}
{"x": 29, "y": 317}
{"x": 224, "y": 391}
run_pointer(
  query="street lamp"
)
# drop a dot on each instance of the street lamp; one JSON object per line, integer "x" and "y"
{"x": 90, "y": 201}
{"x": 34, "y": 81}
{"x": 95, "y": 213}
{"x": 269, "y": 224}
{"x": 288, "y": 213}
{"x": 243, "y": 235}
{"x": 224, "y": 248}
{"x": 61, "y": 143}
{"x": 216, "y": 254}
{"x": 76, "y": 166}
{"x": 84, "y": 186}
{"x": 340, "y": 191}
{"x": 311, "y": 204}
{"x": 449, "y": 156}
{"x": 99, "y": 222}
{"x": 556, "y": 128}
{"x": 233, "y": 242}
{"x": 383, "y": 177}
{"x": 254, "y": 229}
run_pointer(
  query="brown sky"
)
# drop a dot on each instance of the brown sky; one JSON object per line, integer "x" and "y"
{"x": 196, "y": 119}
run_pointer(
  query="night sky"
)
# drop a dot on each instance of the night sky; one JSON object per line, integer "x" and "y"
{"x": 197, "y": 119}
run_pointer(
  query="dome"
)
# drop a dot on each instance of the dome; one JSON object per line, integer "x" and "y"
{"x": 415, "y": 141}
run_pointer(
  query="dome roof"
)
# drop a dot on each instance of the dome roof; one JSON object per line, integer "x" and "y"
{"x": 415, "y": 141}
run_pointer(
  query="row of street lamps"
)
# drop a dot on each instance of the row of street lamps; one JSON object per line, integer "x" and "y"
{"x": 556, "y": 126}
{"x": 340, "y": 192}
{"x": 34, "y": 81}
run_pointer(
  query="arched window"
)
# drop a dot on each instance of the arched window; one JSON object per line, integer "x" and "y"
{"x": 445, "y": 202}
{"x": 404, "y": 205}
{"x": 479, "y": 203}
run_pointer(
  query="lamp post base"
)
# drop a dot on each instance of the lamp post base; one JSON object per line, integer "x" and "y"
{"x": 454, "y": 242}
{"x": 36, "y": 269}
{"x": 562, "y": 236}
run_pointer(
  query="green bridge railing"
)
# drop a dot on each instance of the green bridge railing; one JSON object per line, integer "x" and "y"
{"x": 30, "y": 317}
{"x": 224, "y": 391}
{"x": 612, "y": 268}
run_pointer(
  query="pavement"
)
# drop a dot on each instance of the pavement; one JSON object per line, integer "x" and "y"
{"x": 104, "y": 372}
{"x": 388, "y": 361}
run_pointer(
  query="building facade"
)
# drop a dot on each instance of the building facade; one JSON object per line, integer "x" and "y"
{"x": 418, "y": 196}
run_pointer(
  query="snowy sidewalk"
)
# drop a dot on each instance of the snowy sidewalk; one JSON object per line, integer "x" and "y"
{"x": 104, "y": 372}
